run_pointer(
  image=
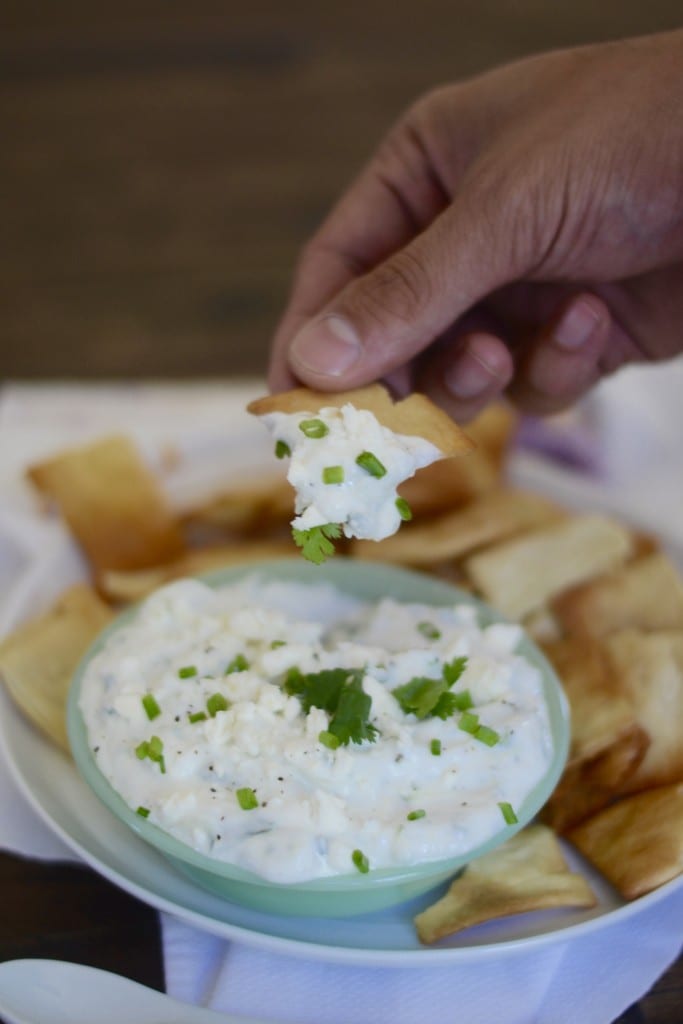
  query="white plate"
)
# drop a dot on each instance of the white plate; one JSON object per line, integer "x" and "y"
{"x": 50, "y": 783}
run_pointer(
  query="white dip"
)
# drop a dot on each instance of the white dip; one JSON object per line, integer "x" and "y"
{"x": 361, "y": 498}
{"x": 222, "y": 657}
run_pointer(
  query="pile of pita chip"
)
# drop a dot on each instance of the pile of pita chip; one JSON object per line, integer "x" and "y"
{"x": 604, "y": 602}
{"x": 38, "y": 660}
{"x": 111, "y": 503}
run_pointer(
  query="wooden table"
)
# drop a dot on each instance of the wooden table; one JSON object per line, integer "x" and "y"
{"x": 161, "y": 165}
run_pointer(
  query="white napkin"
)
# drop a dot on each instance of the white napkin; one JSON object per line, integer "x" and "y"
{"x": 592, "y": 978}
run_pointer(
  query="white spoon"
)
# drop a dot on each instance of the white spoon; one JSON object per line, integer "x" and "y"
{"x": 56, "y": 992}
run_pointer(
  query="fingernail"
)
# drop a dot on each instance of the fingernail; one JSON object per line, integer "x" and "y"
{"x": 468, "y": 377}
{"x": 329, "y": 347}
{"x": 577, "y": 325}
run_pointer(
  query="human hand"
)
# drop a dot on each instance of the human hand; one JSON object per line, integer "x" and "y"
{"x": 519, "y": 232}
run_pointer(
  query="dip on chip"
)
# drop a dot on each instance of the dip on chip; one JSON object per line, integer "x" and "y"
{"x": 348, "y": 454}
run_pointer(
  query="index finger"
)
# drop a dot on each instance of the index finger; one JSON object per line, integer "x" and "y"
{"x": 392, "y": 200}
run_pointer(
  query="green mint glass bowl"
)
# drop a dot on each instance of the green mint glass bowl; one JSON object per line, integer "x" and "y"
{"x": 341, "y": 895}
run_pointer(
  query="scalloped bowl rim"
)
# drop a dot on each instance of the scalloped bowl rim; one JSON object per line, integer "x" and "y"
{"x": 371, "y": 581}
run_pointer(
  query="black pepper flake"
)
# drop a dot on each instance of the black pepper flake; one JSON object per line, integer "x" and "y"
{"x": 177, "y": 718}
{"x": 213, "y": 789}
{"x": 95, "y": 750}
{"x": 218, "y": 835}
{"x": 280, "y": 778}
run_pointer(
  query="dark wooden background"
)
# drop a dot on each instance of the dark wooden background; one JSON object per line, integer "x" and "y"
{"x": 161, "y": 162}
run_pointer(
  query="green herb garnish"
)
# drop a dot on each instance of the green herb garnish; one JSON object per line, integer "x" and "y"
{"x": 282, "y": 450}
{"x": 277, "y": 643}
{"x": 238, "y": 664}
{"x": 333, "y": 475}
{"x": 429, "y": 630}
{"x": 314, "y": 428}
{"x": 316, "y": 544}
{"x": 508, "y": 813}
{"x": 198, "y": 716}
{"x": 361, "y": 861}
{"x": 463, "y": 700}
{"x": 246, "y": 798}
{"x": 488, "y": 736}
{"x": 425, "y": 697}
{"x": 468, "y": 722}
{"x": 339, "y": 691}
{"x": 143, "y": 812}
{"x": 328, "y": 739}
{"x": 435, "y": 747}
{"x": 452, "y": 670}
{"x": 215, "y": 703}
{"x": 154, "y": 750}
{"x": 404, "y": 510}
{"x": 187, "y": 672}
{"x": 152, "y": 709}
{"x": 414, "y": 815}
{"x": 371, "y": 464}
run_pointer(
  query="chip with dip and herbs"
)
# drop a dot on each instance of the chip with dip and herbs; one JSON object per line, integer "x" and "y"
{"x": 349, "y": 452}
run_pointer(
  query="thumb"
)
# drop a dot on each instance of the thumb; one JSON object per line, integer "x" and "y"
{"x": 379, "y": 321}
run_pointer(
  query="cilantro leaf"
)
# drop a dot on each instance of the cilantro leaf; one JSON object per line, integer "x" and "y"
{"x": 350, "y": 720}
{"x": 316, "y": 543}
{"x": 446, "y": 705}
{"x": 452, "y": 670}
{"x": 420, "y": 695}
{"x": 425, "y": 697}
{"x": 319, "y": 689}
{"x": 339, "y": 691}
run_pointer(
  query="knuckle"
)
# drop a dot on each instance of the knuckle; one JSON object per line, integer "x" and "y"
{"x": 397, "y": 290}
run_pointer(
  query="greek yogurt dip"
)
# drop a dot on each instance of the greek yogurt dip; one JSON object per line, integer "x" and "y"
{"x": 299, "y": 733}
{"x": 345, "y": 467}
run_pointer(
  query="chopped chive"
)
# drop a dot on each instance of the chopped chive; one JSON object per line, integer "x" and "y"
{"x": 371, "y": 464}
{"x": 282, "y": 450}
{"x": 429, "y": 630}
{"x": 216, "y": 702}
{"x": 463, "y": 700}
{"x": 143, "y": 812}
{"x": 414, "y": 815}
{"x": 361, "y": 861}
{"x": 435, "y": 747}
{"x": 198, "y": 716}
{"x": 468, "y": 722}
{"x": 246, "y": 798}
{"x": 488, "y": 736}
{"x": 156, "y": 747}
{"x": 153, "y": 749}
{"x": 278, "y": 643}
{"x": 508, "y": 813}
{"x": 333, "y": 475}
{"x": 314, "y": 428}
{"x": 238, "y": 664}
{"x": 151, "y": 707}
{"x": 328, "y": 739}
{"x": 404, "y": 510}
{"x": 187, "y": 672}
